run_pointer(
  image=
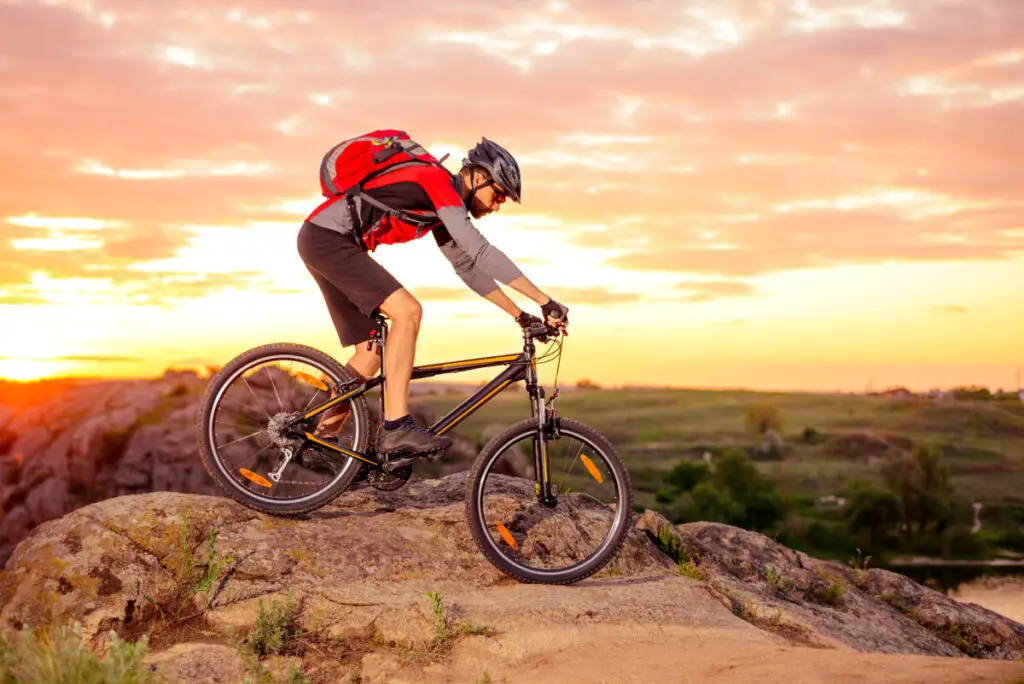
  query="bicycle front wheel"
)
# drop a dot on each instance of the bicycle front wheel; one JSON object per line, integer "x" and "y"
{"x": 556, "y": 542}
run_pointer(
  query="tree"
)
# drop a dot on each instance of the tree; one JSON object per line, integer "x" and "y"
{"x": 732, "y": 491}
{"x": 874, "y": 509}
{"x": 921, "y": 481}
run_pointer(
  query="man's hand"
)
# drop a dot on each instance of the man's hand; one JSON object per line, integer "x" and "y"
{"x": 526, "y": 320}
{"x": 555, "y": 314}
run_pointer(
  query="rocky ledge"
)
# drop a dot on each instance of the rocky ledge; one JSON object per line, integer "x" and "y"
{"x": 391, "y": 587}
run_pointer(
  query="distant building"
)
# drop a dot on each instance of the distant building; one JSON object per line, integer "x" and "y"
{"x": 898, "y": 393}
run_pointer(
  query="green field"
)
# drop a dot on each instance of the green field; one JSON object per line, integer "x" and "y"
{"x": 981, "y": 442}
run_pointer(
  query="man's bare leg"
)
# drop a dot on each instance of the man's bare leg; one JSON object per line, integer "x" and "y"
{"x": 401, "y": 434}
{"x": 405, "y": 314}
{"x": 366, "y": 362}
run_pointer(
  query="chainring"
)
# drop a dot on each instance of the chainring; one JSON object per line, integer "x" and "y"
{"x": 388, "y": 482}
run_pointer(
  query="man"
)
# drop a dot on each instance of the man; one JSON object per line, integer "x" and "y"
{"x": 402, "y": 203}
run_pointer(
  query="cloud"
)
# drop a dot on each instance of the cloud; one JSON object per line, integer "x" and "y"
{"x": 714, "y": 138}
{"x": 78, "y": 358}
{"x": 820, "y": 238}
{"x": 570, "y": 295}
{"x": 706, "y": 291}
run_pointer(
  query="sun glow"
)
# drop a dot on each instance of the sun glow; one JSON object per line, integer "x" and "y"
{"x": 31, "y": 369}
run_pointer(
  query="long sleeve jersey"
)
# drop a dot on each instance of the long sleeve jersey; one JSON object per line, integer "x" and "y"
{"x": 427, "y": 190}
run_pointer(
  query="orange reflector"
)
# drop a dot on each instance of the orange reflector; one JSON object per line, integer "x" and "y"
{"x": 592, "y": 469}
{"x": 306, "y": 377}
{"x": 507, "y": 536}
{"x": 253, "y": 477}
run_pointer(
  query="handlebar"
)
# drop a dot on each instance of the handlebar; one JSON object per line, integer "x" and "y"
{"x": 542, "y": 332}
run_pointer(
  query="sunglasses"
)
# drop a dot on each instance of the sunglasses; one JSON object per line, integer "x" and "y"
{"x": 499, "y": 195}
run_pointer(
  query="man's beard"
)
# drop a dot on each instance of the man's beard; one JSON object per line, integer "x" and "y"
{"x": 477, "y": 208}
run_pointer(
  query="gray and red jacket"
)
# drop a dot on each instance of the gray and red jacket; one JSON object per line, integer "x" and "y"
{"x": 433, "y": 194}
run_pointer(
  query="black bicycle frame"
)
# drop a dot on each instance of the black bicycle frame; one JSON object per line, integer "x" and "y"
{"x": 520, "y": 366}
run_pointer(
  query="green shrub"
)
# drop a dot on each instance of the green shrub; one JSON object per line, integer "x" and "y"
{"x": 812, "y": 436}
{"x": 276, "y": 627}
{"x": 58, "y": 656}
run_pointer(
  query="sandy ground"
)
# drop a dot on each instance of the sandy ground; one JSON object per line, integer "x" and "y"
{"x": 1004, "y": 596}
{"x": 685, "y": 656}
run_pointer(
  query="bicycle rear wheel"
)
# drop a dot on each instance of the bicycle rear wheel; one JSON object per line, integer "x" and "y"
{"x": 555, "y": 543}
{"x": 241, "y": 440}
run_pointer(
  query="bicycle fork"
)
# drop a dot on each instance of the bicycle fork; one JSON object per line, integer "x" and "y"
{"x": 547, "y": 426}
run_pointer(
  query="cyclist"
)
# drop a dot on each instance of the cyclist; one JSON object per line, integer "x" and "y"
{"x": 404, "y": 203}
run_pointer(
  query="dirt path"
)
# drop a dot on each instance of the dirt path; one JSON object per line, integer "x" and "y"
{"x": 604, "y": 655}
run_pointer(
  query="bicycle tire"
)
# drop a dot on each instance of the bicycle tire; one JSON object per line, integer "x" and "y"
{"x": 220, "y": 380}
{"x": 590, "y": 565}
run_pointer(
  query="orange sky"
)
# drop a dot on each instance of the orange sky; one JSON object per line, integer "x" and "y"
{"x": 783, "y": 194}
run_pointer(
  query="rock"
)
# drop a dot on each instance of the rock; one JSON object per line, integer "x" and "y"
{"x": 361, "y": 568}
{"x": 191, "y": 662}
{"x": 380, "y": 668}
{"x": 47, "y": 500}
{"x": 867, "y": 610}
{"x": 106, "y": 564}
{"x": 95, "y": 441}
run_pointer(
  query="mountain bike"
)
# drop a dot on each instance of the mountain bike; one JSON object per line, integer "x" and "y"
{"x": 548, "y": 499}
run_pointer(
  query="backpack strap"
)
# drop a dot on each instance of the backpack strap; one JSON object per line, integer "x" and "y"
{"x": 421, "y": 220}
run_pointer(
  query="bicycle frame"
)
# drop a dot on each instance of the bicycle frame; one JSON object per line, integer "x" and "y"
{"x": 519, "y": 366}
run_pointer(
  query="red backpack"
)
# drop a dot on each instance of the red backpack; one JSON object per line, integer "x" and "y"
{"x": 353, "y": 162}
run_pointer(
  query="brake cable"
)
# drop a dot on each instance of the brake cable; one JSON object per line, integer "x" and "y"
{"x": 558, "y": 366}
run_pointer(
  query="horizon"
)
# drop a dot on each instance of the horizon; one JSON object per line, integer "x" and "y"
{"x": 790, "y": 196}
{"x": 206, "y": 373}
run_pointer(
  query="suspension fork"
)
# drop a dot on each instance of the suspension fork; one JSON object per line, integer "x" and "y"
{"x": 541, "y": 414}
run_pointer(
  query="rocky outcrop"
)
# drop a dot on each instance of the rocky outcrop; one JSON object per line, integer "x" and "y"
{"x": 98, "y": 440}
{"x": 362, "y": 567}
{"x": 865, "y": 609}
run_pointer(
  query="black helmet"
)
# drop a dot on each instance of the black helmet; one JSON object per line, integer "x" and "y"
{"x": 496, "y": 160}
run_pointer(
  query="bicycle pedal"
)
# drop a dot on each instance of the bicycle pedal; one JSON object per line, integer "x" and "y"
{"x": 393, "y": 465}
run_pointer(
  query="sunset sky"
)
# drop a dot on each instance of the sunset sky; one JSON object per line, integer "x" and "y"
{"x": 778, "y": 194}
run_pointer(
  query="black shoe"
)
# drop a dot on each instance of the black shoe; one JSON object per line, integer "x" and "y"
{"x": 411, "y": 439}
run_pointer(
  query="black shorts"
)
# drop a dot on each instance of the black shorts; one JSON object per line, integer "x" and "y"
{"x": 353, "y": 284}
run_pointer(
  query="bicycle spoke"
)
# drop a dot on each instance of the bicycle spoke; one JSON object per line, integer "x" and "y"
{"x": 571, "y": 466}
{"x": 271, "y": 377}
{"x": 310, "y": 402}
{"x": 253, "y": 393}
{"x": 257, "y": 454}
{"x": 225, "y": 446}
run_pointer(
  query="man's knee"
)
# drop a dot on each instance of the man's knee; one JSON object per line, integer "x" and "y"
{"x": 401, "y": 306}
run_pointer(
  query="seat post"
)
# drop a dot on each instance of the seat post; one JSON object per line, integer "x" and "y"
{"x": 381, "y": 342}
